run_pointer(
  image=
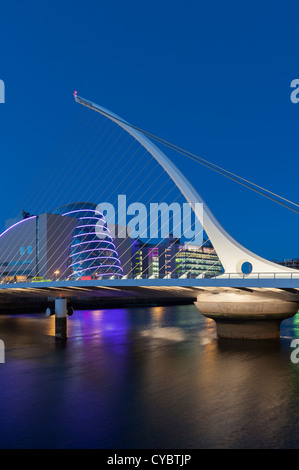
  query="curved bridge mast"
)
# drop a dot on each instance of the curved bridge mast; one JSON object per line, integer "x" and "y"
{"x": 231, "y": 253}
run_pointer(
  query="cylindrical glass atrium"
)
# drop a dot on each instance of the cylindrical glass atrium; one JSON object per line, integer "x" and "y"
{"x": 92, "y": 251}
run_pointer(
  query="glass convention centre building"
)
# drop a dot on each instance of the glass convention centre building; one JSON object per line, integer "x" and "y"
{"x": 72, "y": 242}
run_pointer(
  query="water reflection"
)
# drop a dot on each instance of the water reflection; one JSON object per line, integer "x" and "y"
{"x": 145, "y": 378}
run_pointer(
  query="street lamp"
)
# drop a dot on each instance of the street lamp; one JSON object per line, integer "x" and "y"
{"x": 56, "y": 274}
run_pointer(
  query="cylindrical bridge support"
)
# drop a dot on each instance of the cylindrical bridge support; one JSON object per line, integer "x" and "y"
{"x": 61, "y": 310}
{"x": 247, "y": 315}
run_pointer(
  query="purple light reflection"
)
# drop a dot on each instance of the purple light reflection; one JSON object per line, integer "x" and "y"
{"x": 111, "y": 325}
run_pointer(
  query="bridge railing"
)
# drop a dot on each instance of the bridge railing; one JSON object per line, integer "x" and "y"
{"x": 291, "y": 275}
{"x": 228, "y": 276}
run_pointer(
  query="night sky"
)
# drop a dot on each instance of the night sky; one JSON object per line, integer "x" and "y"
{"x": 211, "y": 77}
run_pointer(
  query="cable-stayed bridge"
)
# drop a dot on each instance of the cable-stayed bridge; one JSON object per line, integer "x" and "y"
{"x": 250, "y": 298}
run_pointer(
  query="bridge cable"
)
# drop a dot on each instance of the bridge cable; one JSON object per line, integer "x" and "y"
{"x": 134, "y": 140}
{"x": 54, "y": 151}
{"x": 210, "y": 165}
{"x": 84, "y": 205}
{"x": 137, "y": 175}
{"x": 90, "y": 163}
{"x": 38, "y": 196}
{"x": 74, "y": 163}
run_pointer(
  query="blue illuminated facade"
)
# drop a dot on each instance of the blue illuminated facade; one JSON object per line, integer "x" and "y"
{"x": 92, "y": 251}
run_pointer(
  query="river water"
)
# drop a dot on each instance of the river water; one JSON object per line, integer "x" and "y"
{"x": 145, "y": 378}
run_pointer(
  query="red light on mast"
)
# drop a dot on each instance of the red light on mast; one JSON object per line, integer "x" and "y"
{"x": 75, "y": 93}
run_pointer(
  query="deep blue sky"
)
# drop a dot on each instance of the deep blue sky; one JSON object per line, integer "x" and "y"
{"x": 212, "y": 77}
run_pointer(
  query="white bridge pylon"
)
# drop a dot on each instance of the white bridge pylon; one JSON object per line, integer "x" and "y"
{"x": 231, "y": 253}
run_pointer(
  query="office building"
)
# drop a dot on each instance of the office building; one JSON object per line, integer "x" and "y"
{"x": 154, "y": 260}
{"x": 290, "y": 263}
{"x": 193, "y": 260}
{"x": 172, "y": 258}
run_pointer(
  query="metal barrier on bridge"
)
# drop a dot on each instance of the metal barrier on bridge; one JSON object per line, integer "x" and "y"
{"x": 228, "y": 276}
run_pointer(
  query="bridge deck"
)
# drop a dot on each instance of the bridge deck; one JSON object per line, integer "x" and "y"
{"x": 145, "y": 287}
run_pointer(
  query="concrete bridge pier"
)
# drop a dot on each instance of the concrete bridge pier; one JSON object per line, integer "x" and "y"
{"x": 61, "y": 310}
{"x": 247, "y": 315}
